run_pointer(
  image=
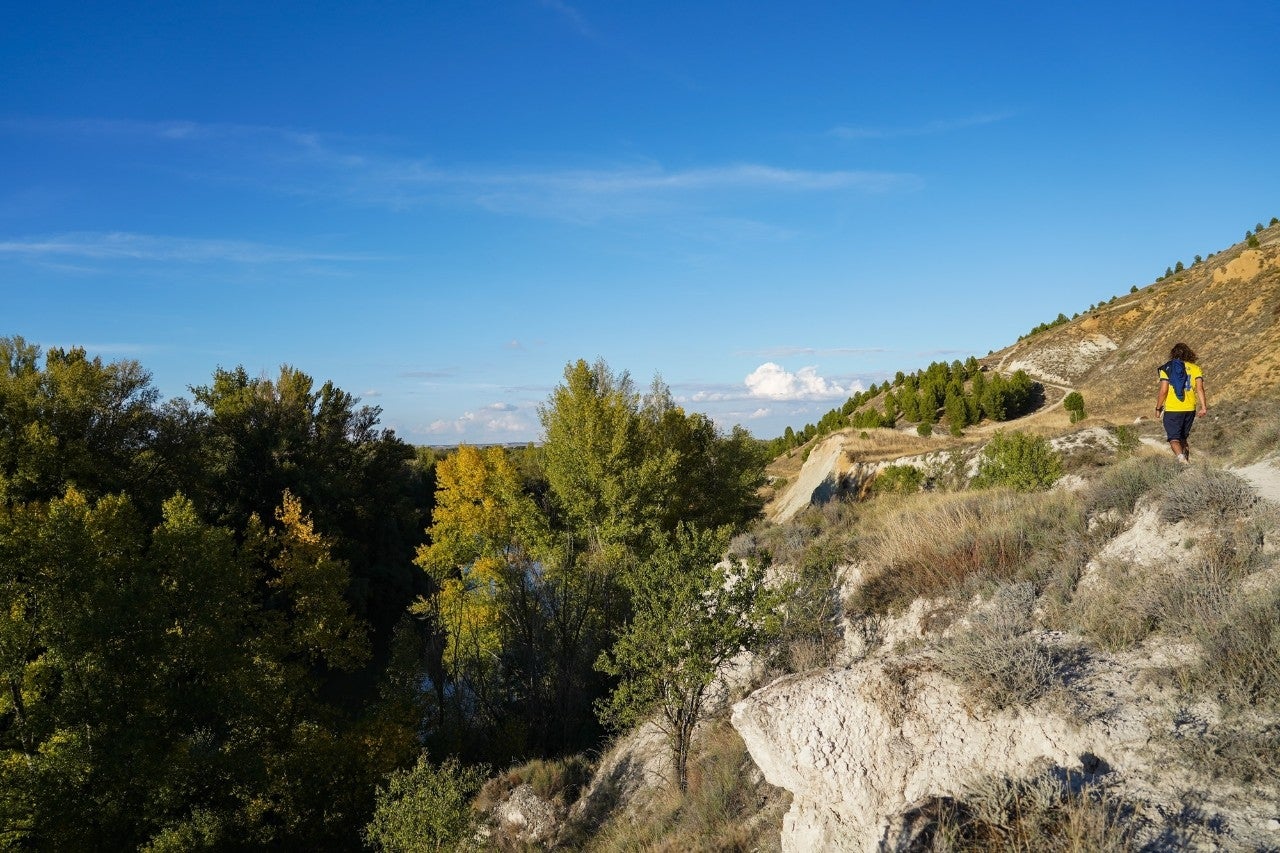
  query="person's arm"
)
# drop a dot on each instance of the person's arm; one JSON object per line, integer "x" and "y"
{"x": 1160, "y": 397}
{"x": 1200, "y": 396}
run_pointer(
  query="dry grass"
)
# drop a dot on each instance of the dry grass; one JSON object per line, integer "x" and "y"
{"x": 1239, "y": 431}
{"x": 1121, "y": 484}
{"x": 1043, "y": 814}
{"x": 885, "y": 444}
{"x": 941, "y": 544}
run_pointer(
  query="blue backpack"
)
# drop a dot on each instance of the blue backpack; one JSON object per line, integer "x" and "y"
{"x": 1179, "y": 381}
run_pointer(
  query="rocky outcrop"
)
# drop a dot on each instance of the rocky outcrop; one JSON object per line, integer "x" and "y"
{"x": 527, "y": 817}
{"x": 858, "y": 746}
{"x": 867, "y": 748}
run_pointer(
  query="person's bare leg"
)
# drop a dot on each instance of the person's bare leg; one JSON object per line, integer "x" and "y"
{"x": 1178, "y": 449}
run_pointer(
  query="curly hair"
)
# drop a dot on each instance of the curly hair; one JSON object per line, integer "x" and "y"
{"x": 1183, "y": 352}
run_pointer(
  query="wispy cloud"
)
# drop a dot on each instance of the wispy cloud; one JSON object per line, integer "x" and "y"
{"x": 444, "y": 373}
{"x": 125, "y": 246}
{"x": 369, "y": 171}
{"x": 793, "y": 352}
{"x": 927, "y": 129}
{"x": 574, "y": 18}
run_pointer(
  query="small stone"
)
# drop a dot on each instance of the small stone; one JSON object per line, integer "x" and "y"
{"x": 1273, "y": 825}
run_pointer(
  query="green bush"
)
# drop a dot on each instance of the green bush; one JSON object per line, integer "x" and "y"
{"x": 898, "y": 480}
{"x": 425, "y": 808}
{"x": 1019, "y": 461}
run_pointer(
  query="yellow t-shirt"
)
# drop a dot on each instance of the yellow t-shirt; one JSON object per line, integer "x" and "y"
{"x": 1188, "y": 401}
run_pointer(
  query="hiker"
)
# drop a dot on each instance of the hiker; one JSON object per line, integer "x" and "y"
{"x": 1180, "y": 397}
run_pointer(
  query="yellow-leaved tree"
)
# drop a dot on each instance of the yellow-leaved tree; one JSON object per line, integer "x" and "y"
{"x": 485, "y": 534}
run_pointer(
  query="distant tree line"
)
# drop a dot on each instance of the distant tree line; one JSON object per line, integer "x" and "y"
{"x": 961, "y": 394}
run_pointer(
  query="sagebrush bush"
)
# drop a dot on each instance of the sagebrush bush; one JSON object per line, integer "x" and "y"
{"x": 995, "y": 659}
{"x": 1025, "y": 463}
{"x": 1242, "y": 652}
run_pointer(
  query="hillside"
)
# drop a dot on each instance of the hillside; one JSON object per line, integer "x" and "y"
{"x": 1087, "y": 667}
{"x": 1226, "y": 307}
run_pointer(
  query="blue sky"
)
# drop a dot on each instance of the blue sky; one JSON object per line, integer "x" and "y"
{"x": 438, "y": 205}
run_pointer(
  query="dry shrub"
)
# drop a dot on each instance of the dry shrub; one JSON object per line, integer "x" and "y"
{"x": 1122, "y": 612}
{"x": 1205, "y": 494}
{"x": 996, "y": 659}
{"x": 1242, "y": 749}
{"x": 816, "y": 542}
{"x": 938, "y": 544}
{"x": 1242, "y": 652}
{"x": 1192, "y": 598}
{"x": 1050, "y": 812}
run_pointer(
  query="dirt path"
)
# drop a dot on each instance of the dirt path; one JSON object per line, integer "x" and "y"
{"x": 1264, "y": 476}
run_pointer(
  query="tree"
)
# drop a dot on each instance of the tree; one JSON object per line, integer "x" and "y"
{"x": 691, "y": 614}
{"x": 606, "y": 483}
{"x": 1134, "y": 288}
{"x": 365, "y": 490}
{"x": 76, "y": 422}
{"x": 485, "y": 536}
{"x": 161, "y": 687}
{"x": 1178, "y": 267}
{"x": 957, "y": 413}
{"x": 1074, "y": 403}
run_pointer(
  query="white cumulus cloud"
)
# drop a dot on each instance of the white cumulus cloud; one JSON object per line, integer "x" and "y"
{"x": 773, "y": 382}
{"x": 496, "y": 419}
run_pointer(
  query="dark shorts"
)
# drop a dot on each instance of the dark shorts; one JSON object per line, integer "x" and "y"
{"x": 1177, "y": 425}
